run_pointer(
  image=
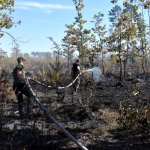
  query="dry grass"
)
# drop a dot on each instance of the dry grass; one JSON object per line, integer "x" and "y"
{"x": 110, "y": 117}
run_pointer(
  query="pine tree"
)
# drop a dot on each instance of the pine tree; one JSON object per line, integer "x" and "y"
{"x": 129, "y": 12}
{"x": 101, "y": 31}
{"x": 68, "y": 49}
{"x": 141, "y": 40}
{"x": 77, "y": 34}
{"x": 92, "y": 50}
{"x": 56, "y": 74}
{"x": 122, "y": 31}
{"x": 129, "y": 28}
{"x": 147, "y": 6}
{"x": 57, "y": 48}
{"x": 115, "y": 40}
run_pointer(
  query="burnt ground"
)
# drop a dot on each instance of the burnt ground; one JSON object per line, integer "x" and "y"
{"x": 90, "y": 116}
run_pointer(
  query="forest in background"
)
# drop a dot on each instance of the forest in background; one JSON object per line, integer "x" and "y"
{"x": 125, "y": 45}
{"x": 121, "y": 98}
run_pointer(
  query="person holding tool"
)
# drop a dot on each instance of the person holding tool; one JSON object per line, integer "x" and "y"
{"x": 75, "y": 72}
{"x": 20, "y": 87}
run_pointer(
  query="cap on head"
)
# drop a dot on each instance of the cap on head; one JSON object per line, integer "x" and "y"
{"x": 21, "y": 58}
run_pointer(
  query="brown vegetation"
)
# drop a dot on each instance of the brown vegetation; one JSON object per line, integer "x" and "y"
{"x": 101, "y": 115}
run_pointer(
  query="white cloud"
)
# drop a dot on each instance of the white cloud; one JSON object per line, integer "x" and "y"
{"x": 22, "y": 7}
{"x": 42, "y": 6}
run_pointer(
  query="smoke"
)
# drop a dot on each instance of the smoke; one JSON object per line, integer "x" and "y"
{"x": 95, "y": 73}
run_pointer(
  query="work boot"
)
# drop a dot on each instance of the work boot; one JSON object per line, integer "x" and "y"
{"x": 21, "y": 109}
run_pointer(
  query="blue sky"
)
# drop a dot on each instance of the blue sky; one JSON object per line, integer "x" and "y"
{"x": 47, "y": 18}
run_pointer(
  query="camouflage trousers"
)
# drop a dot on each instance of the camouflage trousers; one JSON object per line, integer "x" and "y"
{"x": 21, "y": 89}
{"x": 76, "y": 83}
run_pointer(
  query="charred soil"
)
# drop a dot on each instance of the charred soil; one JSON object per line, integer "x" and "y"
{"x": 90, "y": 115}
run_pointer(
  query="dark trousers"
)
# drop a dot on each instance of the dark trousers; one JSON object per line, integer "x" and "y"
{"x": 19, "y": 90}
{"x": 76, "y": 83}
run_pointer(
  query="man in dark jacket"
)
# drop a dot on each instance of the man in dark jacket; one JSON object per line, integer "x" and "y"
{"x": 75, "y": 71}
{"x": 20, "y": 87}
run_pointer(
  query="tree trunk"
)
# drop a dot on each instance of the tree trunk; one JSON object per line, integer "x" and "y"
{"x": 120, "y": 59}
{"x": 125, "y": 68}
{"x": 68, "y": 64}
{"x": 103, "y": 67}
{"x": 143, "y": 67}
{"x": 125, "y": 61}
